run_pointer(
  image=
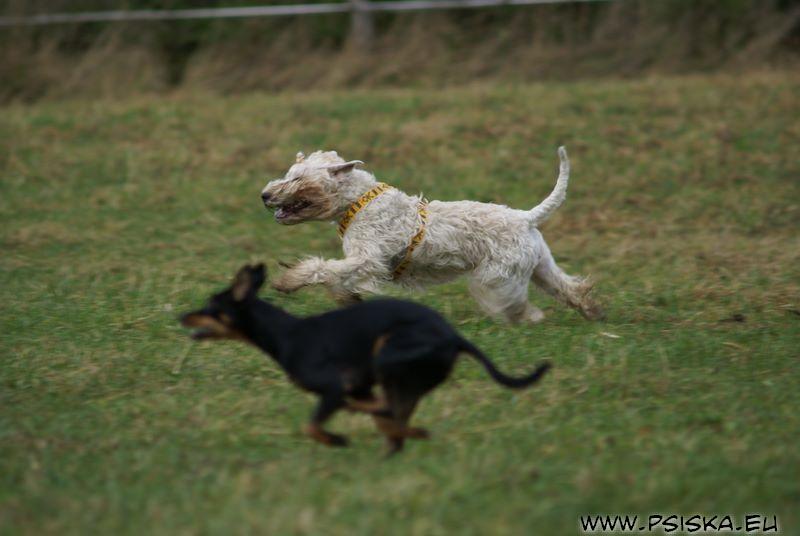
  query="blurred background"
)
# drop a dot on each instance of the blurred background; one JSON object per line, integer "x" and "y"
{"x": 431, "y": 48}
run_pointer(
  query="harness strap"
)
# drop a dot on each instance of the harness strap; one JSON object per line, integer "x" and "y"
{"x": 422, "y": 209}
{"x": 360, "y": 203}
{"x": 364, "y": 200}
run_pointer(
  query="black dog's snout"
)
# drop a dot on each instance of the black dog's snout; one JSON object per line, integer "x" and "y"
{"x": 265, "y": 197}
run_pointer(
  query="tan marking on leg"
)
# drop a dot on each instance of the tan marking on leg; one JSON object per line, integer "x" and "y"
{"x": 393, "y": 429}
{"x": 315, "y": 432}
{"x": 388, "y": 427}
{"x": 379, "y": 343}
{"x": 393, "y": 433}
{"x": 368, "y": 406}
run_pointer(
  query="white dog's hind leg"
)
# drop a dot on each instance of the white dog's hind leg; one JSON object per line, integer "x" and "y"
{"x": 571, "y": 290}
{"x": 505, "y": 297}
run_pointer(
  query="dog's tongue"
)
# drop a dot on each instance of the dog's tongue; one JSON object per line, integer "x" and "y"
{"x": 280, "y": 213}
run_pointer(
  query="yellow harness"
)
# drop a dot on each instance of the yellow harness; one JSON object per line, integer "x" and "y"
{"x": 360, "y": 203}
{"x": 364, "y": 200}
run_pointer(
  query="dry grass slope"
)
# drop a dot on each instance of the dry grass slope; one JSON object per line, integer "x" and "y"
{"x": 431, "y": 49}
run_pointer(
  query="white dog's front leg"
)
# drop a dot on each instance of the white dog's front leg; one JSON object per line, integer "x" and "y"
{"x": 313, "y": 271}
{"x": 344, "y": 277}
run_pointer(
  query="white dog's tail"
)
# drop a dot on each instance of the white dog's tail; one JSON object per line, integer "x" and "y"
{"x": 545, "y": 209}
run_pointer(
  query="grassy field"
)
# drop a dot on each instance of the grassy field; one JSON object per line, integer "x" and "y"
{"x": 684, "y": 205}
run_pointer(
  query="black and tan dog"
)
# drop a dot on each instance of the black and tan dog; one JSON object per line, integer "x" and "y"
{"x": 405, "y": 348}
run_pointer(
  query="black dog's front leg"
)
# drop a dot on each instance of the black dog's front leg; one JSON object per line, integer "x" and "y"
{"x": 328, "y": 405}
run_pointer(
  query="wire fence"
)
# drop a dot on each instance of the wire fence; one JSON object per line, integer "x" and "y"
{"x": 349, "y": 6}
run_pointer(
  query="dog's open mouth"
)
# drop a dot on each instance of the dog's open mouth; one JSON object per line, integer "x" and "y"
{"x": 290, "y": 210}
{"x": 203, "y": 326}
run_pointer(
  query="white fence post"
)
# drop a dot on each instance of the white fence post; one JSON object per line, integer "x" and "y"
{"x": 362, "y": 28}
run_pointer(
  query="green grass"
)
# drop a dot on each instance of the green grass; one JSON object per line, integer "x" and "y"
{"x": 684, "y": 205}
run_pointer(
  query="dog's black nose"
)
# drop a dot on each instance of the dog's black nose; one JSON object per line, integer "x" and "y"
{"x": 265, "y": 196}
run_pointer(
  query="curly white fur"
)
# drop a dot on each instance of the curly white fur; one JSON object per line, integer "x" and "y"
{"x": 499, "y": 248}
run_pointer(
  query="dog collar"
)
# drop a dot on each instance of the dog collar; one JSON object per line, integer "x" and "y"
{"x": 362, "y": 202}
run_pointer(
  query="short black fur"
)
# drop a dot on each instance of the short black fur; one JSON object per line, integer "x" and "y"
{"x": 404, "y": 348}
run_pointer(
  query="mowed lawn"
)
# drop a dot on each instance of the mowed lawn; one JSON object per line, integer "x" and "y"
{"x": 684, "y": 205}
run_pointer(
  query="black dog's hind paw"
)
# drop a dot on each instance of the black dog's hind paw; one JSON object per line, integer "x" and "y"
{"x": 336, "y": 440}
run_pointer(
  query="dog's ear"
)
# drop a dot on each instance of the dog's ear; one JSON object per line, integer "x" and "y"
{"x": 259, "y": 272}
{"x": 343, "y": 168}
{"x": 247, "y": 281}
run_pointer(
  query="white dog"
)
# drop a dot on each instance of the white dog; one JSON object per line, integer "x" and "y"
{"x": 388, "y": 235}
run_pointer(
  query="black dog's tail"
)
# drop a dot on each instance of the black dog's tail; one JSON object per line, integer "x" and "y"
{"x": 499, "y": 377}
